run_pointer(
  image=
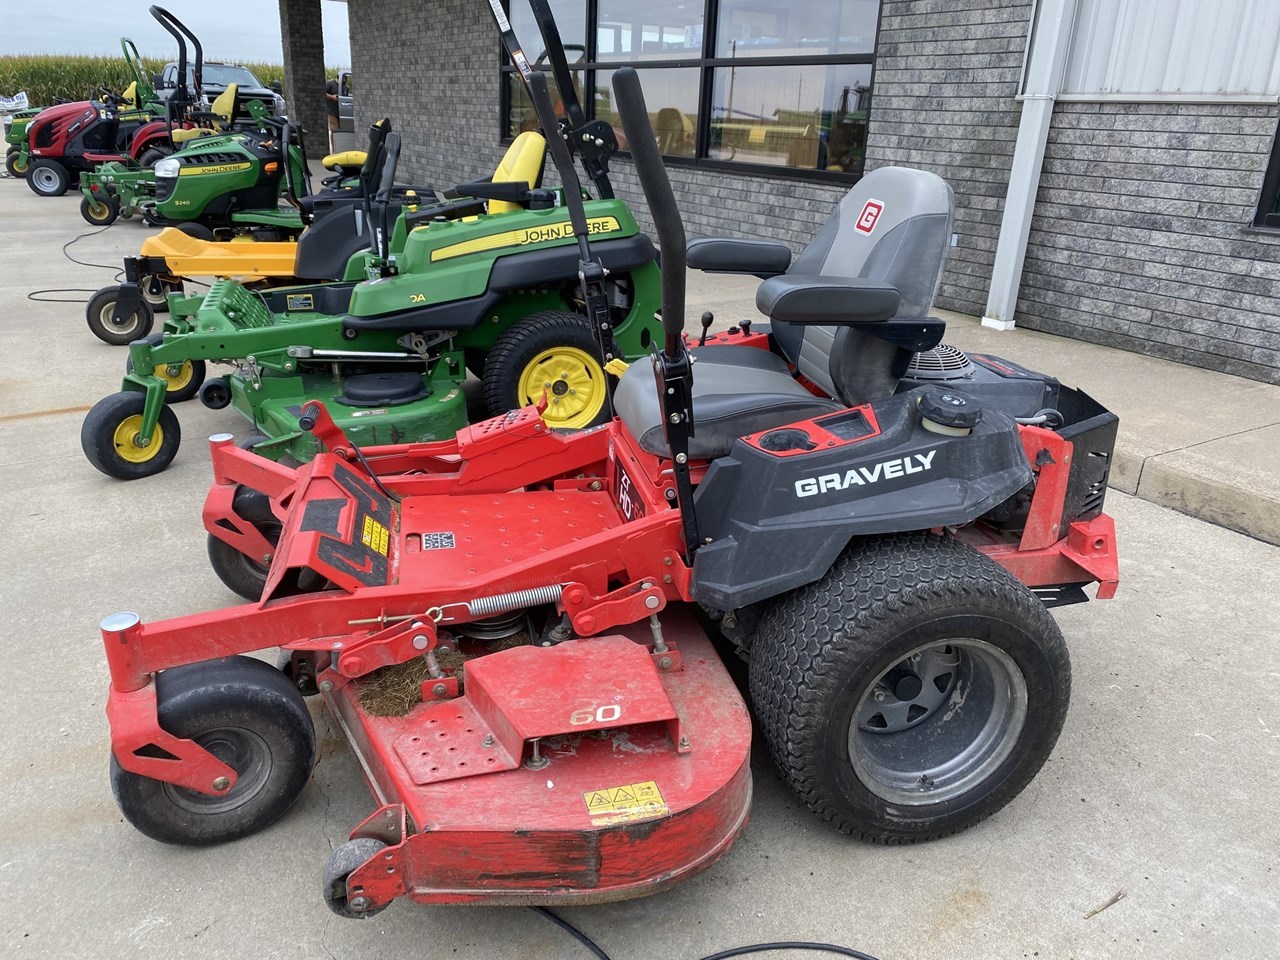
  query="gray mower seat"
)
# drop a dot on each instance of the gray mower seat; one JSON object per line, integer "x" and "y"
{"x": 737, "y": 391}
{"x": 837, "y": 317}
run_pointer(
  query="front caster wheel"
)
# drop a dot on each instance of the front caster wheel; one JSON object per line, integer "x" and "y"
{"x": 344, "y": 860}
{"x": 156, "y": 291}
{"x": 244, "y": 712}
{"x": 111, "y": 438}
{"x": 244, "y": 575}
{"x": 100, "y": 212}
{"x": 100, "y": 314}
{"x": 911, "y": 692}
{"x": 14, "y": 164}
{"x": 182, "y": 379}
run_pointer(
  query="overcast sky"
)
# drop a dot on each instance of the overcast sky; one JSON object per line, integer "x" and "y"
{"x": 228, "y": 29}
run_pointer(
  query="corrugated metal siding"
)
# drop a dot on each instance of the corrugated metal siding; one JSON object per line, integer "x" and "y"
{"x": 1202, "y": 49}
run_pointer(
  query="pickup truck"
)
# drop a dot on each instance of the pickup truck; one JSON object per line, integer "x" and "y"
{"x": 216, "y": 77}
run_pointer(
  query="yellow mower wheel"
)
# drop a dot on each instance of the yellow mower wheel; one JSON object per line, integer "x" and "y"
{"x": 552, "y": 353}
{"x": 112, "y": 441}
{"x": 15, "y": 165}
{"x": 99, "y": 213}
{"x": 182, "y": 380}
{"x": 573, "y": 382}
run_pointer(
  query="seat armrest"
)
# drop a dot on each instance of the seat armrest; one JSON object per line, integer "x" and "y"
{"x": 761, "y": 258}
{"x": 827, "y": 300}
{"x": 487, "y": 190}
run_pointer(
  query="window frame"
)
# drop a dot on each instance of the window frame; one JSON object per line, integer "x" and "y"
{"x": 1269, "y": 195}
{"x": 706, "y": 66}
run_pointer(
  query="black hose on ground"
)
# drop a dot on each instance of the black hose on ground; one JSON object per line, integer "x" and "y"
{"x": 598, "y": 952}
{"x": 40, "y": 296}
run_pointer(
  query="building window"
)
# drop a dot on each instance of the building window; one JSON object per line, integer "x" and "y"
{"x": 766, "y": 86}
{"x": 1269, "y": 201}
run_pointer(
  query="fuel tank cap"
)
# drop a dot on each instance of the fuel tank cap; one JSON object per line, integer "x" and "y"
{"x": 944, "y": 411}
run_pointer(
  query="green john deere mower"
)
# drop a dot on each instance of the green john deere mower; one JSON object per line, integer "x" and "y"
{"x": 499, "y": 294}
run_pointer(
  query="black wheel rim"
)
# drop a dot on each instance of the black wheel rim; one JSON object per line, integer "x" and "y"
{"x": 938, "y": 722}
{"x": 245, "y": 752}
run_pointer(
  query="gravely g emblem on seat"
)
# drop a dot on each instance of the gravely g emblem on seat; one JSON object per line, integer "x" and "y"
{"x": 866, "y": 221}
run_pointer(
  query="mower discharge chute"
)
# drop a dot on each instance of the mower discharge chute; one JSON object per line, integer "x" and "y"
{"x": 509, "y": 626}
{"x": 448, "y": 288}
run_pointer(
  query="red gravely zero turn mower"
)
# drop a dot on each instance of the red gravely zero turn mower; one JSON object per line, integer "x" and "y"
{"x": 511, "y": 628}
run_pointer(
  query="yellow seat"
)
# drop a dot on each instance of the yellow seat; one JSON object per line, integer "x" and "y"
{"x": 347, "y": 158}
{"x": 130, "y": 96}
{"x": 522, "y": 163}
{"x": 224, "y": 108}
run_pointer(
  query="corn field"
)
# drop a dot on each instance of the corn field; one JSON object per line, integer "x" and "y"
{"x": 46, "y": 76}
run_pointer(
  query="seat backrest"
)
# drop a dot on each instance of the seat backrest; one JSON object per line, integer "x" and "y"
{"x": 130, "y": 96}
{"x": 893, "y": 226}
{"x": 522, "y": 163}
{"x": 224, "y": 105}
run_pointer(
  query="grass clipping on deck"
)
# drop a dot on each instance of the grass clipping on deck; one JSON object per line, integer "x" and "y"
{"x": 394, "y": 691}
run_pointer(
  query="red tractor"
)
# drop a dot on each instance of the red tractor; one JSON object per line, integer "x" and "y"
{"x": 69, "y": 139}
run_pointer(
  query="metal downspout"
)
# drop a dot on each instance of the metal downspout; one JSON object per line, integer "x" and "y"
{"x": 1048, "y": 42}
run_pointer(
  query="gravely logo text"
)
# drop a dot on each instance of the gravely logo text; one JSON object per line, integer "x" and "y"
{"x": 862, "y": 476}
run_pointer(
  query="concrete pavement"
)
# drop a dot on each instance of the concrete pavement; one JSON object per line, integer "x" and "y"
{"x": 1163, "y": 786}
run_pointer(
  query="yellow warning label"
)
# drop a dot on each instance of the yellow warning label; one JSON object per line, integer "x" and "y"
{"x": 633, "y": 801}
{"x": 218, "y": 168}
{"x": 375, "y": 535}
{"x": 519, "y": 238}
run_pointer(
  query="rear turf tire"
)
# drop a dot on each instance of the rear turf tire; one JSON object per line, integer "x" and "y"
{"x": 831, "y": 678}
{"x": 101, "y": 308}
{"x": 247, "y": 714}
{"x": 108, "y": 438}
{"x": 48, "y": 178}
{"x": 556, "y": 347}
{"x": 153, "y": 155}
{"x": 196, "y": 230}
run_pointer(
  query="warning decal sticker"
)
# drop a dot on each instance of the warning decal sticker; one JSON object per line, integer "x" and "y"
{"x": 375, "y": 535}
{"x": 633, "y": 801}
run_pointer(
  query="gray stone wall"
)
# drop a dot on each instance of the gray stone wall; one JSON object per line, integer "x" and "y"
{"x": 1141, "y": 234}
{"x": 946, "y": 75}
{"x": 433, "y": 69}
{"x": 302, "y": 36}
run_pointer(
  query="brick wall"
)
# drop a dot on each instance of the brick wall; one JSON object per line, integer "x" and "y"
{"x": 302, "y": 37}
{"x": 1139, "y": 237}
{"x": 946, "y": 75}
